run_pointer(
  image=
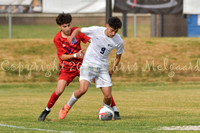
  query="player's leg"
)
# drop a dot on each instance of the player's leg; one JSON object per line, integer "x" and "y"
{"x": 116, "y": 112}
{"x": 86, "y": 75}
{"x": 55, "y": 95}
{"x": 107, "y": 92}
{"x": 105, "y": 80}
{"x": 113, "y": 103}
{"x": 84, "y": 84}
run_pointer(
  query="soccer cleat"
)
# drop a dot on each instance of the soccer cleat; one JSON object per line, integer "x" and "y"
{"x": 43, "y": 115}
{"x": 63, "y": 112}
{"x": 116, "y": 115}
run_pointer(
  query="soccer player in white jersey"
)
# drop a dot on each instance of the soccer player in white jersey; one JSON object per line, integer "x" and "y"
{"x": 95, "y": 62}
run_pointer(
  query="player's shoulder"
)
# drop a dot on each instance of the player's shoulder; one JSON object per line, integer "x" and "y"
{"x": 58, "y": 35}
{"x": 96, "y": 27}
{"x": 118, "y": 39}
{"x": 73, "y": 28}
{"x": 99, "y": 29}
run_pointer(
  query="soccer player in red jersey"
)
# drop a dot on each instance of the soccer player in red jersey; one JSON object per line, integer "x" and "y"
{"x": 70, "y": 56}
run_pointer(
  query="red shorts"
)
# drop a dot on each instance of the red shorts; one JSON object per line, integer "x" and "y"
{"x": 68, "y": 75}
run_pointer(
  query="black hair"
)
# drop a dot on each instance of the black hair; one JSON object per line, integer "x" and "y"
{"x": 63, "y": 18}
{"x": 115, "y": 22}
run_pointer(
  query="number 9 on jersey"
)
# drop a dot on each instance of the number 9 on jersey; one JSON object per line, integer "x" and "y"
{"x": 102, "y": 50}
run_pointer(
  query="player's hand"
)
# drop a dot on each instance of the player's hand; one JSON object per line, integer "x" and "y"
{"x": 111, "y": 72}
{"x": 70, "y": 38}
{"x": 80, "y": 54}
{"x": 93, "y": 80}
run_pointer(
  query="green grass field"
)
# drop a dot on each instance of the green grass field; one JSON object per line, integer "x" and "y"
{"x": 144, "y": 60}
{"x": 49, "y": 31}
{"x": 147, "y": 99}
{"x": 144, "y": 107}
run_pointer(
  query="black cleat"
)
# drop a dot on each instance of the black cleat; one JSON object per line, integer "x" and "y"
{"x": 43, "y": 115}
{"x": 116, "y": 115}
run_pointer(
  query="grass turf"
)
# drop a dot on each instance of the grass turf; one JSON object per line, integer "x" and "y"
{"x": 143, "y": 107}
{"x": 144, "y": 59}
{"x": 49, "y": 31}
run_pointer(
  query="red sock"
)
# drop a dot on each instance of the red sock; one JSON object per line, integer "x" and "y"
{"x": 113, "y": 102}
{"x": 52, "y": 100}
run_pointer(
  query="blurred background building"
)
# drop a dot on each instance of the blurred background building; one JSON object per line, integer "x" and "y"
{"x": 166, "y": 18}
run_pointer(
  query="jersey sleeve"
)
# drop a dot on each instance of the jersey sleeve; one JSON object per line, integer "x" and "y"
{"x": 60, "y": 50}
{"x": 88, "y": 30}
{"x": 84, "y": 38}
{"x": 120, "y": 47}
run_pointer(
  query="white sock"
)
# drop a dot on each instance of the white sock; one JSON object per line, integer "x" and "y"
{"x": 72, "y": 100}
{"x": 115, "y": 108}
{"x": 47, "y": 109}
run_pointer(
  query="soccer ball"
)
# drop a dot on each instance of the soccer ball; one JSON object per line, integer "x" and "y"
{"x": 105, "y": 113}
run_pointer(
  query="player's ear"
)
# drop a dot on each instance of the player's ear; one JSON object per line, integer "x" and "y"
{"x": 59, "y": 26}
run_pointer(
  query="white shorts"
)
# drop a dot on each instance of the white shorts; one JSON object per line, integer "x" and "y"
{"x": 101, "y": 76}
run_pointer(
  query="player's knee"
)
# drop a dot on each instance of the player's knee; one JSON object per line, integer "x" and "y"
{"x": 59, "y": 91}
{"x": 108, "y": 97}
{"x": 83, "y": 90}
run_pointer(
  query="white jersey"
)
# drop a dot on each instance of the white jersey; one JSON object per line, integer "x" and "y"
{"x": 100, "y": 47}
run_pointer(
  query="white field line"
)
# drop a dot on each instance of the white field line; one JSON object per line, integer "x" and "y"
{"x": 37, "y": 129}
{"x": 181, "y": 128}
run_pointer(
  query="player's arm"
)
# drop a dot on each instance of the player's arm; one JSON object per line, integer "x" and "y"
{"x": 115, "y": 64}
{"x": 89, "y": 41}
{"x": 86, "y": 30}
{"x": 74, "y": 33}
{"x": 84, "y": 38}
{"x": 61, "y": 51}
{"x": 76, "y": 55}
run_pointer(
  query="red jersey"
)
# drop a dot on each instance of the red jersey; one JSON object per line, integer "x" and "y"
{"x": 64, "y": 47}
